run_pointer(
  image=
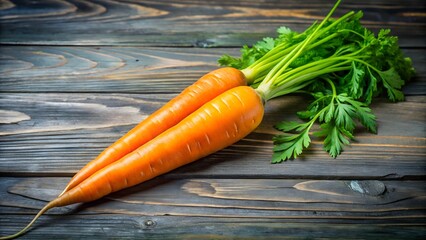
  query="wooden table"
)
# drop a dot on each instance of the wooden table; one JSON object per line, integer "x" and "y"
{"x": 76, "y": 75}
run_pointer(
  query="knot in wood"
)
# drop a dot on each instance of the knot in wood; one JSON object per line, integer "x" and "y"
{"x": 369, "y": 187}
{"x": 149, "y": 223}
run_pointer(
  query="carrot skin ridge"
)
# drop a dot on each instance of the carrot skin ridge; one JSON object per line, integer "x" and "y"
{"x": 190, "y": 99}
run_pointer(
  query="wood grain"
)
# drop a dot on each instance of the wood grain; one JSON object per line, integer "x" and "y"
{"x": 188, "y": 23}
{"x": 126, "y": 69}
{"x": 236, "y": 207}
{"x": 103, "y": 69}
{"x": 65, "y": 131}
{"x": 113, "y": 226}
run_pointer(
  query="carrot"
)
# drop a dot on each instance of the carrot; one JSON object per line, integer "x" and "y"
{"x": 214, "y": 126}
{"x": 205, "y": 89}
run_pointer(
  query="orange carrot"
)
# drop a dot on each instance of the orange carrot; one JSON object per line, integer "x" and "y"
{"x": 205, "y": 89}
{"x": 214, "y": 126}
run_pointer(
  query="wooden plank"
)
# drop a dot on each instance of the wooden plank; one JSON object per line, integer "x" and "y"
{"x": 107, "y": 226}
{"x": 189, "y": 23}
{"x": 57, "y": 134}
{"x": 205, "y": 208}
{"x": 125, "y": 69}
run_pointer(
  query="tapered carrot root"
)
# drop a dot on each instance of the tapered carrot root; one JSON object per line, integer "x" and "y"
{"x": 217, "y": 124}
{"x": 52, "y": 204}
{"x": 205, "y": 89}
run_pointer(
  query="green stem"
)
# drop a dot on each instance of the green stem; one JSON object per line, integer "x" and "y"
{"x": 312, "y": 67}
{"x": 276, "y": 61}
{"x": 261, "y": 66}
{"x": 267, "y": 85}
{"x": 333, "y": 87}
{"x": 298, "y": 83}
{"x": 314, "y": 36}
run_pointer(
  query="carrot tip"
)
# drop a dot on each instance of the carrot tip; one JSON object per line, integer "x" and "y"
{"x": 48, "y": 206}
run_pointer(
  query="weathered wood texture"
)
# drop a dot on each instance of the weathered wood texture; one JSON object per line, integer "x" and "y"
{"x": 125, "y": 69}
{"x": 225, "y": 208}
{"x": 56, "y": 134}
{"x": 189, "y": 23}
{"x": 75, "y": 75}
{"x": 104, "y": 69}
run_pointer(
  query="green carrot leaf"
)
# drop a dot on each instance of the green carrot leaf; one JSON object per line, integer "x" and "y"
{"x": 335, "y": 138}
{"x": 393, "y": 84}
{"x": 290, "y": 146}
{"x": 290, "y": 126}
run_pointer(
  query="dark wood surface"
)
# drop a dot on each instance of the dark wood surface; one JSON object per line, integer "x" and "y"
{"x": 76, "y": 75}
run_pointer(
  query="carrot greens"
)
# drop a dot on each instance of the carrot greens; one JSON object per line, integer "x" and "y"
{"x": 341, "y": 64}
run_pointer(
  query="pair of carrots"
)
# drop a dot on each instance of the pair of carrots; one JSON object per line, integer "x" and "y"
{"x": 216, "y": 111}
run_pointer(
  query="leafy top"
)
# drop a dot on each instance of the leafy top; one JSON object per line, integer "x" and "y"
{"x": 339, "y": 62}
